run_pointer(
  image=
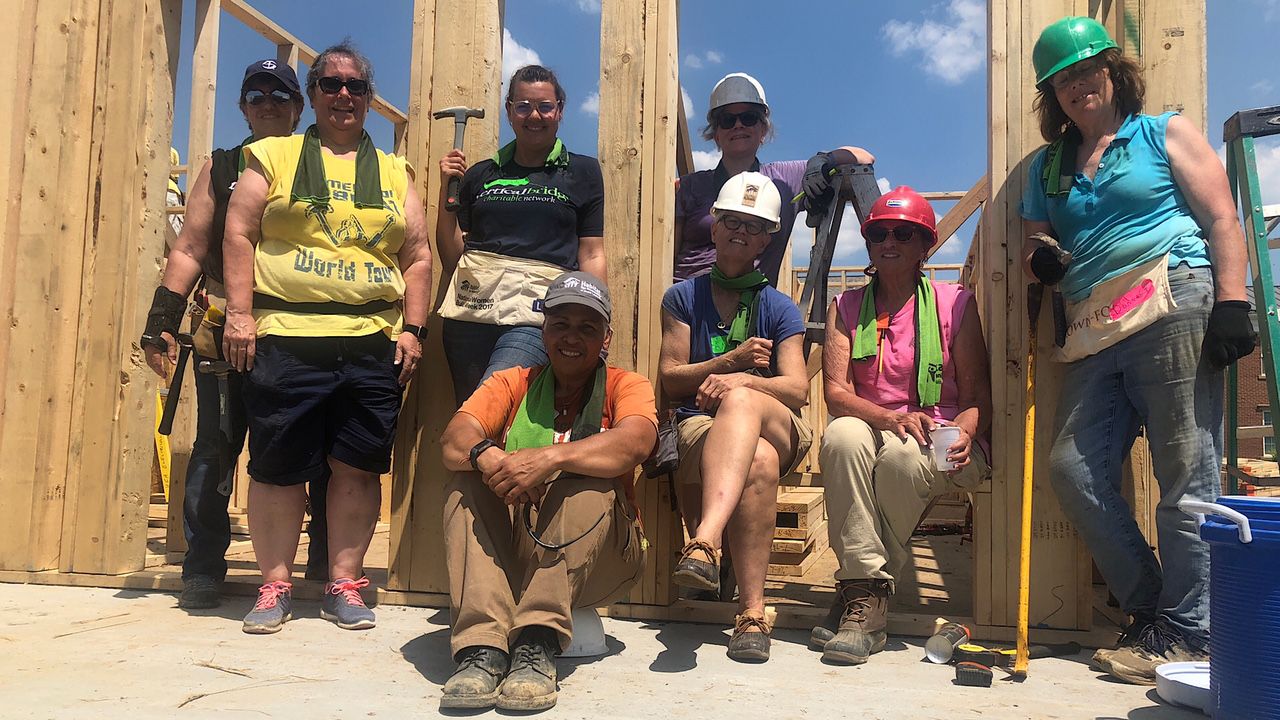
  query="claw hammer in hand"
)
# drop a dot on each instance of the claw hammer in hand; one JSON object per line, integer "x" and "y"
{"x": 459, "y": 115}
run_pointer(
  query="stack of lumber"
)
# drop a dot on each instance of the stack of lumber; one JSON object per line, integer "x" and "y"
{"x": 801, "y": 532}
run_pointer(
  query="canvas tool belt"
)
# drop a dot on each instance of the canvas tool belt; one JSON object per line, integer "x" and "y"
{"x": 498, "y": 290}
{"x": 207, "y": 337}
{"x": 1115, "y": 310}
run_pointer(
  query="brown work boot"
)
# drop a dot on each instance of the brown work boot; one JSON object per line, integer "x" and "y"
{"x": 475, "y": 683}
{"x": 750, "y": 640}
{"x": 864, "y": 616}
{"x": 1129, "y": 638}
{"x": 696, "y": 572}
{"x": 531, "y": 682}
{"x": 1136, "y": 664}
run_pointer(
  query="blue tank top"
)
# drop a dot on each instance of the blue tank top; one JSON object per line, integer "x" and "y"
{"x": 1130, "y": 213}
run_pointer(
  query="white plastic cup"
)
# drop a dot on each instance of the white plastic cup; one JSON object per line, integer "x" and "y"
{"x": 941, "y": 438}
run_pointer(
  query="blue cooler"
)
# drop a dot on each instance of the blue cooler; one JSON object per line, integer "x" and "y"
{"x": 1244, "y": 604}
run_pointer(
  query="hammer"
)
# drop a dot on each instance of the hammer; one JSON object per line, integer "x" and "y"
{"x": 220, "y": 369}
{"x": 459, "y": 115}
{"x": 175, "y": 385}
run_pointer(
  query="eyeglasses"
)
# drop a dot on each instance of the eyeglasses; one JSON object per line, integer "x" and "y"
{"x": 733, "y": 224}
{"x": 749, "y": 119}
{"x": 524, "y": 108}
{"x": 258, "y": 97}
{"x": 1068, "y": 75}
{"x": 330, "y": 85}
{"x": 877, "y": 234}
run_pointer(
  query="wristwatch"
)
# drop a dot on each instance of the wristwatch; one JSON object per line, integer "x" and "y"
{"x": 417, "y": 331}
{"x": 479, "y": 449}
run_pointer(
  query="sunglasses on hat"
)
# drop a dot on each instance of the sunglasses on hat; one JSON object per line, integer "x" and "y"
{"x": 330, "y": 85}
{"x": 258, "y": 97}
{"x": 879, "y": 233}
{"x": 728, "y": 120}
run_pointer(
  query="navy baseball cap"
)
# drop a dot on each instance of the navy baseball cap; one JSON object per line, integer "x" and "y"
{"x": 274, "y": 68}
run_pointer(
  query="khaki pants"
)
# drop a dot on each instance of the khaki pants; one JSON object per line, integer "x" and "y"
{"x": 500, "y": 581}
{"x": 876, "y": 487}
{"x": 691, "y": 438}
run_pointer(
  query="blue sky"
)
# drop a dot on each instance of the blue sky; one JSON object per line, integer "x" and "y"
{"x": 906, "y": 80}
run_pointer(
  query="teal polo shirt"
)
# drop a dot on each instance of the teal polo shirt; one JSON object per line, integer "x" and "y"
{"x": 1130, "y": 213}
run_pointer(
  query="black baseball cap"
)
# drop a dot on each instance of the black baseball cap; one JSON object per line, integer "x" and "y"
{"x": 274, "y": 68}
{"x": 578, "y": 288}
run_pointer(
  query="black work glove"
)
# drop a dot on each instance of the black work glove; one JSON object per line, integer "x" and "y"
{"x": 166, "y": 312}
{"x": 1230, "y": 335}
{"x": 817, "y": 175}
{"x": 1046, "y": 266}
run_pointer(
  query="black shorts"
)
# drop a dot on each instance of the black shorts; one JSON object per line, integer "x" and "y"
{"x": 309, "y": 399}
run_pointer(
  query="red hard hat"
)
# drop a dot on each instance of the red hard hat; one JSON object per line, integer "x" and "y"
{"x": 903, "y": 203}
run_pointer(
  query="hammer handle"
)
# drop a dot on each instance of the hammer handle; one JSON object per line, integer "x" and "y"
{"x": 175, "y": 391}
{"x": 451, "y": 199}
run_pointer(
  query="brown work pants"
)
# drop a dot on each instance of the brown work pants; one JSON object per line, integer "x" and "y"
{"x": 500, "y": 581}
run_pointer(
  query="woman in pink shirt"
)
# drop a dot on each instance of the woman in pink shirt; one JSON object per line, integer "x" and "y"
{"x": 903, "y": 355}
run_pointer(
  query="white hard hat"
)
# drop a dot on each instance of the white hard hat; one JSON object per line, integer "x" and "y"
{"x": 588, "y": 635}
{"x": 753, "y": 194}
{"x": 737, "y": 88}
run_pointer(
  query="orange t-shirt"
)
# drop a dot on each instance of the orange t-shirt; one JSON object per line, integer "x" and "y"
{"x": 494, "y": 404}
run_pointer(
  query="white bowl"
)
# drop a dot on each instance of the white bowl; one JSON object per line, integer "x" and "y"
{"x": 1185, "y": 683}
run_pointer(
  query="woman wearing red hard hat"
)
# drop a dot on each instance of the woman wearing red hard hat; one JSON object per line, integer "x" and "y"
{"x": 905, "y": 376}
{"x": 1142, "y": 204}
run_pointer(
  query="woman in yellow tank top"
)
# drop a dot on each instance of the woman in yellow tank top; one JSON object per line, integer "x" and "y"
{"x": 328, "y": 274}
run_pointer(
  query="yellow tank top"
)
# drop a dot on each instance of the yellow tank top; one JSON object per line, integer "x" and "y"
{"x": 347, "y": 255}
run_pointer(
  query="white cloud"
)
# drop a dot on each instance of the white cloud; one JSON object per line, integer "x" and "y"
{"x": 951, "y": 49}
{"x": 591, "y": 105}
{"x": 688, "y": 105}
{"x": 884, "y": 185}
{"x": 714, "y": 57}
{"x": 1267, "y": 155}
{"x": 514, "y": 57}
{"x": 1263, "y": 89}
{"x": 703, "y": 160}
{"x": 693, "y": 61}
{"x": 590, "y": 6}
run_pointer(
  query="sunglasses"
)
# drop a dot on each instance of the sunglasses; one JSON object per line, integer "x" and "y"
{"x": 733, "y": 224}
{"x": 258, "y": 97}
{"x": 749, "y": 118}
{"x": 330, "y": 85}
{"x": 879, "y": 233}
{"x": 1068, "y": 75}
{"x": 524, "y": 108}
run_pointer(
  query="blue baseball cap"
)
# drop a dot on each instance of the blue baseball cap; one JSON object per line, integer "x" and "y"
{"x": 274, "y": 68}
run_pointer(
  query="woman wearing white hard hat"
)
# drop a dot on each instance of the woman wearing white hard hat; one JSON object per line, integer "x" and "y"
{"x": 739, "y": 122}
{"x": 732, "y": 358}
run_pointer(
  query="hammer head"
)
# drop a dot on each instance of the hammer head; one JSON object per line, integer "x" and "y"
{"x": 1064, "y": 256}
{"x": 214, "y": 367}
{"x": 459, "y": 114}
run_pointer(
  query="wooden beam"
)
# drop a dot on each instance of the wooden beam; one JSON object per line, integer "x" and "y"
{"x": 457, "y": 61}
{"x": 961, "y": 212}
{"x": 269, "y": 29}
{"x": 204, "y": 83}
{"x": 287, "y": 54}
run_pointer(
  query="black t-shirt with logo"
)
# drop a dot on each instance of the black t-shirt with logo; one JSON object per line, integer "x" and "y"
{"x": 534, "y": 213}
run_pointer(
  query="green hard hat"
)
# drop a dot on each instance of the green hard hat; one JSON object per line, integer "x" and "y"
{"x": 1067, "y": 42}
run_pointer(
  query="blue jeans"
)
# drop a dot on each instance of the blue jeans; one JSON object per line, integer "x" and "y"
{"x": 476, "y": 350}
{"x": 1153, "y": 378}
{"x": 213, "y": 462}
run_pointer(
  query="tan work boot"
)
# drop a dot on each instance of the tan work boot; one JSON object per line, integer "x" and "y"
{"x": 864, "y": 616}
{"x": 1136, "y": 664}
{"x": 475, "y": 683}
{"x": 531, "y": 682}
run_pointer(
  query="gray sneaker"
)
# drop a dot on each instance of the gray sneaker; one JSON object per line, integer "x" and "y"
{"x": 273, "y": 609}
{"x": 343, "y": 605}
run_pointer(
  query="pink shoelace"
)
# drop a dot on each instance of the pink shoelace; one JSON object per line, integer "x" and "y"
{"x": 349, "y": 590}
{"x": 269, "y": 594}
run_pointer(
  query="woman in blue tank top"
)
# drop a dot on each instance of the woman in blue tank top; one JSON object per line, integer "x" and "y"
{"x": 1156, "y": 309}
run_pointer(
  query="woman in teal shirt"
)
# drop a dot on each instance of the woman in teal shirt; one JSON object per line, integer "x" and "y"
{"x": 1141, "y": 202}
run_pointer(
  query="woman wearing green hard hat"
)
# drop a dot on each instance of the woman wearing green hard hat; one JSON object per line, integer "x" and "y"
{"x": 1156, "y": 309}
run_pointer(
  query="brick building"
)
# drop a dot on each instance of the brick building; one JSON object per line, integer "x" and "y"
{"x": 1252, "y": 402}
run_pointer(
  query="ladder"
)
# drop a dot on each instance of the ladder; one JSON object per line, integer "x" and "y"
{"x": 1239, "y": 133}
{"x": 854, "y": 184}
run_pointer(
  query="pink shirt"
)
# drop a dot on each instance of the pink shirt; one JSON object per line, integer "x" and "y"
{"x": 891, "y": 382}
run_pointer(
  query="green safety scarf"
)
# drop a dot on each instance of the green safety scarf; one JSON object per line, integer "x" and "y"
{"x": 312, "y": 187}
{"x": 928, "y": 339}
{"x": 744, "y": 321}
{"x": 1059, "y": 172}
{"x": 534, "y": 425}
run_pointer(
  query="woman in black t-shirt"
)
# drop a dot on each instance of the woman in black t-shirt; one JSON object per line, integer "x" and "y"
{"x": 526, "y": 215}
